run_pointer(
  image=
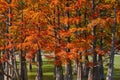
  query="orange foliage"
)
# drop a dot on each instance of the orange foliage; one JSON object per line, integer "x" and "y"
{"x": 55, "y": 27}
{"x": 118, "y": 17}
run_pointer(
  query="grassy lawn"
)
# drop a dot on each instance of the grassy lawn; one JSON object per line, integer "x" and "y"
{"x": 48, "y": 70}
{"x": 117, "y": 68}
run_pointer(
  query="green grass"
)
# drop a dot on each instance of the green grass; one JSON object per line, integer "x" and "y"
{"x": 117, "y": 61}
{"x": 117, "y": 68}
{"x": 48, "y": 70}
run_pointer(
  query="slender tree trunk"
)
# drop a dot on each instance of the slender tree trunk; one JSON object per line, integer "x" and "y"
{"x": 95, "y": 67}
{"x": 39, "y": 71}
{"x": 30, "y": 67}
{"x": 101, "y": 67}
{"x": 68, "y": 71}
{"x": 86, "y": 68}
{"x": 8, "y": 23}
{"x": 68, "y": 67}
{"x": 39, "y": 56}
{"x": 16, "y": 72}
{"x": 23, "y": 67}
{"x": 90, "y": 74}
{"x": 58, "y": 70}
{"x": 75, "y": 67}
{"x": 1, "y": 69}
{"x": 111, "y": 64}
{"x": 79, "y": 71}
{"x": 95, "y": 75}
{"x": 79, "y": 64}
{"x": 1, "y": 64}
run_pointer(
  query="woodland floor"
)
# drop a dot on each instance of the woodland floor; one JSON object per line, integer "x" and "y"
{"x": 48, "y": 70}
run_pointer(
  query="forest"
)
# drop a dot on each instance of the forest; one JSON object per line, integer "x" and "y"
{"x": 69, "y": 39}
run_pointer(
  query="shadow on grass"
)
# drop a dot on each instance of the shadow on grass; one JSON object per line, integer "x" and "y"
{"x": 45, "y": 76}
{"x": 48, "y": 77}
{"x": 47, "y": 72}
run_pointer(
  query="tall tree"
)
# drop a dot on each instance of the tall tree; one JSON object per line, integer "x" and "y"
{"x": 23, "y": 66}
{"x": 112, "y": 52}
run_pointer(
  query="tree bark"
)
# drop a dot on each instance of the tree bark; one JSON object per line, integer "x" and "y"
{"x": 1, "y": 74}
{"x": 58, "y": 70}
{"x": 79, "y": 71}
{"x": 23, "y": 67}
{"x": 100, "y": 60}
{"x": 8, "y": 23}
{"x": 30, "y": 67}
{"x": 90, "y": 74}
{"x": 94, "y": 74}
{"x": 111, "y": 64}
{"x": 68, "y": 67}
{"x": 68, "y": 71}
{"x": 39, "y": 71}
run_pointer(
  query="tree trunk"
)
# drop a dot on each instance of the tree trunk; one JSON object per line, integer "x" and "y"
{"x": 79, "y": 68}
{"x": 75, "y": 67}
{"x": 79, "y": 71}
{"x": 1, "y": 74}
{"x": 95, "y": 67}
{"x": 100, "y": 60}
{"x": 30, "y": 67}
{"x": 58, "y": 72}
{"x": 101, "y": 68}
{"x": 68, "y": 71}
{"x": 39, "y": 71}
{"x": 68, "y": 67}
{"x": 86, "y": 68}
{"x": 90, "y": 74}
{"x": 8, "y": 23}
{"x": 23, "y": 67}
{"x": 111, "y": 64}
{"x": 16, "y": 72}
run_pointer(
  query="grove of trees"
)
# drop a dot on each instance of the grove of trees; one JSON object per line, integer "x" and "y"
{"x": 79, "y": 35}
